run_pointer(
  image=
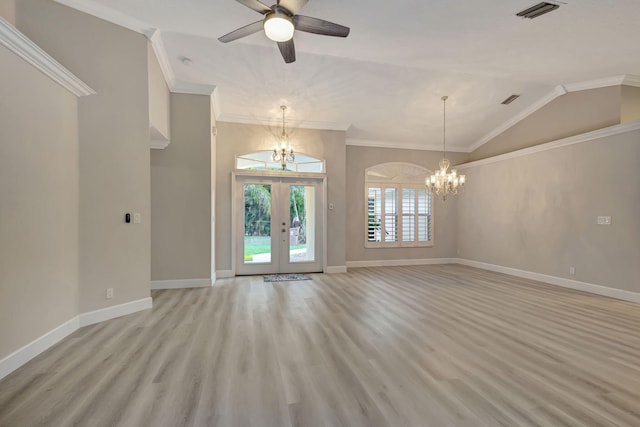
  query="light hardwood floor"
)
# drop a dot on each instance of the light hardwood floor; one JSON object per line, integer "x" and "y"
{"x": 403, "y": 346}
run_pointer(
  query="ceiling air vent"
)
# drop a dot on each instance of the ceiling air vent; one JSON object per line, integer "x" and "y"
{"x": 537, "y": 10}
{"x": 510, "y": 99}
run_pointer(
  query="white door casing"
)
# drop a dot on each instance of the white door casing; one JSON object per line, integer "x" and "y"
{"x": 283, "y": 258}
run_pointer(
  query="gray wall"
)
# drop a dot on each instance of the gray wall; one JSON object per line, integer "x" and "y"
{"x": 181, "y": 194}
{"x": 114, "y": 146}
{"x": 630, "y": 104}
{"x": 538, "y": 213}
{"x": 445, "y": 227}
{"x": 567, "y": 115}
{"x": 8, "y": 10}
{"x": 234, "y": 139}
{"x": 39, "y": 208}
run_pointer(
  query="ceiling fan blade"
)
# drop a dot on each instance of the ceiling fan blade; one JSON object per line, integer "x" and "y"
{"x": 242, "y": 32}
{"x": 292, "y": 6}
{"x": 256, "y": 5}
{"x": 288, "y": 51}
{"x": 319, "y": 26}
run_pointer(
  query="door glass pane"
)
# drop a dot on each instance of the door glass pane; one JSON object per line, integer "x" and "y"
{"x": 257, "y": 223}
{"x": 302, "y": 238}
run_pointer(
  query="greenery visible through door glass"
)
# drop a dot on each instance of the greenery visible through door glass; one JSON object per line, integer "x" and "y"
{"x": 257, "y": 219}
{"x": 257, "y": 210}
{"x": 297, "y": 212}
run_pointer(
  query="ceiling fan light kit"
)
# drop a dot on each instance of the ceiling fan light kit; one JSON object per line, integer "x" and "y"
{"x": 278, "y": 27}
{"x": 280, "y": 22}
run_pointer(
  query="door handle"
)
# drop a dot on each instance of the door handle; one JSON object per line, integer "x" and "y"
{"x": 284, "y": 223}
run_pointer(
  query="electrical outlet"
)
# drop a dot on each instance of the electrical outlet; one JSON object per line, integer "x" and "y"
{"x": 572, "y": 271}
{"x": 109, "y": 293}
{"x": 137, "y": 218}
{"x": 604, "y": 220}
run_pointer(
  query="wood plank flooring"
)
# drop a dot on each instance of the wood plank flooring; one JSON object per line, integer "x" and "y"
{"x": 403, "y": 346}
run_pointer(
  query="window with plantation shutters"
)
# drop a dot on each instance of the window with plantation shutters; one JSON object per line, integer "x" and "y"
{"x": 399, "y": 209}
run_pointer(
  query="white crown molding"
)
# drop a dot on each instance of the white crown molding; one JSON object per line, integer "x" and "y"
{"x": 556, "y": 92}
{"x": 631, "y": 80}
{"x": 400, "y": 262}
{"x": 403, "y": 145}
{"x": 555, "y": 280}
{"x": 155, "y": 38}
{"x": 595, "y": 84}
{"x": 21, "y": 45}
{"x": 628, "y": 79}
{"x": 108, "y": 14}
{"x": 270, "y": 121}
{"x": 577, "y": 139}
{"x": 192, "y": 88}
{"x": 24, "y": 354}
{"x": 180, "y": 284}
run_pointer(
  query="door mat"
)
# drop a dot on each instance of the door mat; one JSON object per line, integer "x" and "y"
{"x": 285, "y": 277}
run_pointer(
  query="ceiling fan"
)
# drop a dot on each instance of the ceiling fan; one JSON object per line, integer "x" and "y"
{"x": 279, "y": 23}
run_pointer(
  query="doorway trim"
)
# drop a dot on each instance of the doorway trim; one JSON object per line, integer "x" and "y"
{"x": 276, "y": 174}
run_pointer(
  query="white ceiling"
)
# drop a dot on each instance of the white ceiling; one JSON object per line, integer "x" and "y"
{"x": 384, "y": 82}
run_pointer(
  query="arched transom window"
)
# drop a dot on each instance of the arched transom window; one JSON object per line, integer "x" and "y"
{"x": 261, "y": 160}
{"x": 399, "y": 208}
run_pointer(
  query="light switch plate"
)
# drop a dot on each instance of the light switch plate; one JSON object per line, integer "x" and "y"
{"x": 136, "y": 218}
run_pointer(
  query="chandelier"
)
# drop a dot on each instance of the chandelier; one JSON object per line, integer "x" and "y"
{"x": 284, "y": 152}
{"x": 443, "y": 182}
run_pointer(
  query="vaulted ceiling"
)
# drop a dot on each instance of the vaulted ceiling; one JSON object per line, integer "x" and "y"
{"x": 384, "y": 82}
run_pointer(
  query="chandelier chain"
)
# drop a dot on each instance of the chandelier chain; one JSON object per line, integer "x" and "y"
{"x": 283, "y": 152}
{"x": 444, "y": 126}
{"x": 444, "y": 182}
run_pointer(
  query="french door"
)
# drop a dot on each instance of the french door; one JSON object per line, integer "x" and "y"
{"x": 279, "y": 225}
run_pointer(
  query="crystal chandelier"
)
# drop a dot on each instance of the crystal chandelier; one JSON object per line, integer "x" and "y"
{"x": 284, "y": 152}
{"x": 444, "y": 182}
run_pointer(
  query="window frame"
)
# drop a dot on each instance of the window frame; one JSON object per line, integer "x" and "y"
{"x": 399, "y": 187}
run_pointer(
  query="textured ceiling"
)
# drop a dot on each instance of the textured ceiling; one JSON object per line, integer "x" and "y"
{"x": 384, "y": 82}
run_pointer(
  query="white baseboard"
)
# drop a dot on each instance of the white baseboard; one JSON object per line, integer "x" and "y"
{"x": 180, "y": 284}
{"x": 554, "y": 280}
{"x": 46, "y": 341}
{"x": 37, "y": 346}
{"x": 114, "y": 311}
{"x": 225, "y": 274}
{"x": 335, "y": 269}
{"x": 400, "y": 262}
